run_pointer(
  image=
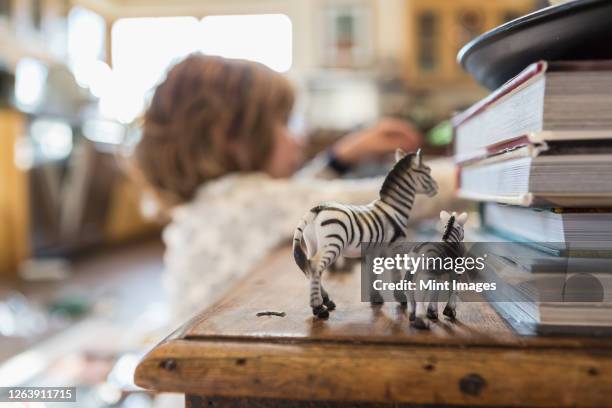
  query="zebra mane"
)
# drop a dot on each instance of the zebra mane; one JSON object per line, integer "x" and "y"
{"x": 397, "y": 172}
{"x": 449, "y": 227}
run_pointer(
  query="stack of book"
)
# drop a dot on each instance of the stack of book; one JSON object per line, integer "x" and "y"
{"x": 537, "y": 153}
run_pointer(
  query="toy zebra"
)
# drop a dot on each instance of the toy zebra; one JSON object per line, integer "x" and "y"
{"x": 333, "y": 229}
{"x": 451, "y": 226}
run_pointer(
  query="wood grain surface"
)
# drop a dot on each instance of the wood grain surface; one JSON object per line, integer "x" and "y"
{"x": 368, "y": 354}
{"x": 383, "y": 373}
{"x": 281, "y": 287}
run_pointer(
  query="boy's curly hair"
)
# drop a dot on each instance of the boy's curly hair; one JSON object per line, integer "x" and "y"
{"x": 206, "y": 111}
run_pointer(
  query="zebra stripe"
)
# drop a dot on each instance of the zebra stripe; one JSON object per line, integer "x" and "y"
{"x": 336, "y": 236}
{"x": 338, "y": 222}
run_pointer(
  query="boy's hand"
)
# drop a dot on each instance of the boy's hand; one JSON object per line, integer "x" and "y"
{"x": 377, "y": 141}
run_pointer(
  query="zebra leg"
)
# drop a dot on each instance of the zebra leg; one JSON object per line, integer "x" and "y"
{"x": 410, "y": 298}
{"x": 375, "y": 296}
{"x": 411, "y": 305}
{"x": 420, "y": 319}
{"x": 450, "y": 309}
{"x": 398, "y": 294}
{"x": 451, "y": 306}
{"x": 329, "y": 304}
{"x": 319, "y": 308}
{"x": 421, "y": 299}
{"x": 432, "y": 309}
{"x": 316, "y": 299}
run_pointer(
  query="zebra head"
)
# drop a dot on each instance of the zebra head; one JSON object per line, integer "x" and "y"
{"x": 451, "y": 226}
{"x": 420, "y": 173}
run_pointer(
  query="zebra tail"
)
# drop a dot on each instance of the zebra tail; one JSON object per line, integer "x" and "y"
{"x": 301, "y": 259}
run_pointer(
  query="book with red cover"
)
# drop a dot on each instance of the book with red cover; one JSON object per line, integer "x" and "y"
{"x": 561, "y": 101}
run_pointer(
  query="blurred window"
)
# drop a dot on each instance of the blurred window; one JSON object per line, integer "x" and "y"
{"x": 52, "y": 139}
{"x": 427, "y": 41}
{"x": 345, "y": 24}
{"x": 86, "y": 44}
{"x": 470, "y": 25}
{"x": 103, "y": 131}
{"x": 37, "y": 13}
{"x": 144, "y": 48}
{"x": 265, "y": 38}
{"x": 30, "y": 79}
{"x": 6, "y": 8}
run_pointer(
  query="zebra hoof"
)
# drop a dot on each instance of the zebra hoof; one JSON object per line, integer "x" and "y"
{"x": 420, "y": 323}
{"x": 320, "y": 312}
{"x": 330, "y": 305}
{"x": 432, "y": 314}
{"x": 323, "y": 314}
{"x": 411, "y": 317}
{"x": 449, "y": 313}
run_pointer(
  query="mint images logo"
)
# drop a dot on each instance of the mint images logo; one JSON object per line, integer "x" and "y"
{"x": 435, "y": 267}
{"x": 393, "y": 271}
{"x": 485, "y": 271}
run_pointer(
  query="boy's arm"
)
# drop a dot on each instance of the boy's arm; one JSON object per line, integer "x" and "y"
{"x": 374, "y": 142}
{"x": 325, "y": 165}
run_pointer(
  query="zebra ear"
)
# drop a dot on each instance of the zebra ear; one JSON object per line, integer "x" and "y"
{"x": 399, "y": 154}
{"x": 444, "y": 216}
{"x": 462, "y": 218}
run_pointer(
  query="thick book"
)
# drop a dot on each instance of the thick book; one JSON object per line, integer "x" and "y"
{"x": 530, "y": 176}
{"x": 558, "y": 101}
{"x": 550, "y": 303}
{"x": 557, "y": 300}
{"x": 574, "y": 228}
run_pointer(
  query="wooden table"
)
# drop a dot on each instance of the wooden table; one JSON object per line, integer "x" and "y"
{"x": 230, "y": 357}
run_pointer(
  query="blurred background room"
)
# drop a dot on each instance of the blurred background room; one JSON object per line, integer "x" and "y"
{"x": 81, "y": 297}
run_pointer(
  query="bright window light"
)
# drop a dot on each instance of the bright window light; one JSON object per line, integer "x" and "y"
{"x": 30, "y": 78}
{"x": 54, "y": 138}
{"x": 86, "y": 43}
{"x": 103, "y": 131}
{"x": 144, "y": 48}
{"x": 264, "y": 38}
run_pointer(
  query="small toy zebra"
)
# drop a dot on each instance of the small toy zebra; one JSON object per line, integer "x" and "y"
{"x": 451, "y": 226}
{"x": 333, "y": 229}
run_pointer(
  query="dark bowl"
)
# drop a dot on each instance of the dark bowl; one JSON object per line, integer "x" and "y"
{"x": 577, "y": 30}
